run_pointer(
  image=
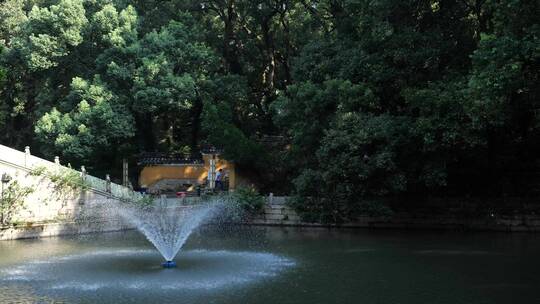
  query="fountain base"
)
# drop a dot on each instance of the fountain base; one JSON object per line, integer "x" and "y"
{"x": 169, "y": 264}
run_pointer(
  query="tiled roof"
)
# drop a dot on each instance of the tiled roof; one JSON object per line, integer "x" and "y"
{"x": 155, "y": 158}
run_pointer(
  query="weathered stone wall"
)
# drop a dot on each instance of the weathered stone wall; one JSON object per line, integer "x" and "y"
{"x": 52, "y": 210}
{"x": 39, "y": 230}
{"x": 276, "y": 212}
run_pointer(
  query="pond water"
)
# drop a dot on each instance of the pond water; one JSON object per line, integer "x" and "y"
{"x": 276, "y": 265}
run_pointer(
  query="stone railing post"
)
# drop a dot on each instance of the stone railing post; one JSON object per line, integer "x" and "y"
{"x": 82, "y": 198}
{"x": 108, "y": 183}
{"x": 26, "y": 156}
{"x": 57, "y": 163}
{"x": 270, "y": 198}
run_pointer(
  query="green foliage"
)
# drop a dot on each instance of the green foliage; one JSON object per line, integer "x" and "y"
{"x": 96, "y": 122}
{"x": 4, "y": 109}
{"x": 359, "y": 155}
{"x": 115, "y": 28}
{"x": 228, "y": 120}
{"x": 53, "y": 31}
{"x": 68, "y": 180}
{"x": 308, "y": 109}
{"x": 3, "y": 74}
{"x": 13, "y": 18}
{"x": 160, "y": 77}
{"x": 12, "y": 200}
{"x": 324, "y": 210}
{"x": 224, "y": 134}
{"x": 356, "y": 160}
{"x": 171, "y": 62}
{"x": 248, "y": 200}
{"x": 63, "y": 179}
{"x": 144, "y": 202}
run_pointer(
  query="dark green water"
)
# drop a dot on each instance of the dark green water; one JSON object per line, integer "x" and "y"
{"x": 276, "y": 265}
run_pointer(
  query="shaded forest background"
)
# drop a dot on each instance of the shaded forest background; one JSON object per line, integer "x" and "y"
{"x": 335, "y": 101}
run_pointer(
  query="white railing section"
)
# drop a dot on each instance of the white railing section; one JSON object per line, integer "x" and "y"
{"x": 30, "y": 162}
{"x": 95, "y": 182}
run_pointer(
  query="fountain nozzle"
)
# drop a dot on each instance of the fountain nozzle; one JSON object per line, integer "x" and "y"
{"x": 169, "y": 264}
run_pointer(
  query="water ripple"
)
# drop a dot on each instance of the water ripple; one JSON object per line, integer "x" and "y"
{"x": 140, "y": 270}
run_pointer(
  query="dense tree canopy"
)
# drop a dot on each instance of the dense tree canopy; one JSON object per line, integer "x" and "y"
{"x": 363, "y": 99}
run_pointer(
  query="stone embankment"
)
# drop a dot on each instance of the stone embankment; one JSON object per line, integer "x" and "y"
{"x": 277, "y": 213}
{"x": 40, "y": 230}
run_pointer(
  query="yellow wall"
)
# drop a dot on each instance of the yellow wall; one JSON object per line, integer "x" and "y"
{"x": 193, "y": 173}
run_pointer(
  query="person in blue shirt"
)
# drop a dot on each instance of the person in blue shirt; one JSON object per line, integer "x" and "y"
{"x": 219, "y": 180}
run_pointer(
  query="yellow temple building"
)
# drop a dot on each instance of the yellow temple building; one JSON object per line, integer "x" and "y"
{"x": 166, "y": 174}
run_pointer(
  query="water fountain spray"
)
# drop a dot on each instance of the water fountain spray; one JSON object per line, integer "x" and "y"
{"x": 167, "y": 224}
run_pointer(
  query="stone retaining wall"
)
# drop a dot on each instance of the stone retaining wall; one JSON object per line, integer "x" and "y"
{"x": 28, "y": 231}
{"x": 277, "y": 213}
{"x": 51, "y": 210}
